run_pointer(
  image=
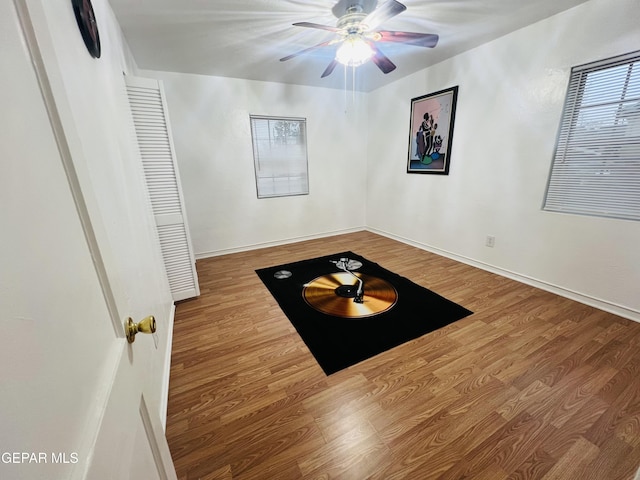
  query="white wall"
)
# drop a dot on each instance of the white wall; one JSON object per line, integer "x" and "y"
{"x": 210, "y": 123}
{"x": 509, "y": 106}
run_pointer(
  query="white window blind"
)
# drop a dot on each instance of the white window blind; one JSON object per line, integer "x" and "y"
{"x": 596, "y": 166}
{"x": 280, "y": 156}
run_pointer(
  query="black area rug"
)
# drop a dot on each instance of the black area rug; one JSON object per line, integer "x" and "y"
{"x": 337, "y": 342}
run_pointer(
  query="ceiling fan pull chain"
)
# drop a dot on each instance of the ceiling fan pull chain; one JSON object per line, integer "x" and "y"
{"x": 353, "y": 84}
{"x": 346, "y": 101}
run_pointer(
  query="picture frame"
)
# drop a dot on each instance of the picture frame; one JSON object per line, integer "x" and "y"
{"x": 431, "y": 132}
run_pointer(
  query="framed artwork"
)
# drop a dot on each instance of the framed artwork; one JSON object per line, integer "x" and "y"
{"x": 431, "y": 132}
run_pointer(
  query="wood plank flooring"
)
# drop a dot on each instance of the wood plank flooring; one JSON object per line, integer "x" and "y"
{"x": 531, "y": 386}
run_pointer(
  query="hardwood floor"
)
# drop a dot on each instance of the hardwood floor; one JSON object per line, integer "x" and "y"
{"x": 531, "y": 386}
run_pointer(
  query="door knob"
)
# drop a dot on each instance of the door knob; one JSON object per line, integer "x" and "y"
{"x": 146, "y": 325}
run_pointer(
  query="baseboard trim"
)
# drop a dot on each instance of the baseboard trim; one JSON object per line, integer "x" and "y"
{"x": 276, "y": 243}
{"x": 598, "y": 303}
{"x": 164, "y": 397}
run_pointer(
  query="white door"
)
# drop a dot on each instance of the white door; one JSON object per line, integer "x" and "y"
{"x": 79, "y": 254}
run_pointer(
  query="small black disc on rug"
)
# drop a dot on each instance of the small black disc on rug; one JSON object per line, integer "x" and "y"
{"x": 334, "y": 294}
{"x": 280, "y": 274}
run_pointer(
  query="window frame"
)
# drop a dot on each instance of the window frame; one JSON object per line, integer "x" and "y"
{"x": 286, "y": 179}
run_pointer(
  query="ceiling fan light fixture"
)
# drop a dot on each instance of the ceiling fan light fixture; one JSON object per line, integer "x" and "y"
{"x": 357, "y": 34}
{"x": 354, "y": 51}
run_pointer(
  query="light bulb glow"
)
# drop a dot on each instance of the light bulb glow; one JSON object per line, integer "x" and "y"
{"x": 354, "y": 51}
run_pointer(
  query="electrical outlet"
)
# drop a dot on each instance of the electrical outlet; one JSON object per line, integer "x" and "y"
{"x": 491, "y": 241}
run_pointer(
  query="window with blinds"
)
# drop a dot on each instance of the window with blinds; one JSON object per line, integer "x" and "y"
{"x": 280, "y": 156}
{"x": 596, "y": 165}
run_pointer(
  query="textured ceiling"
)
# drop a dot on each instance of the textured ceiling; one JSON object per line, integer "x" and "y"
{"x": 246, "y": 38}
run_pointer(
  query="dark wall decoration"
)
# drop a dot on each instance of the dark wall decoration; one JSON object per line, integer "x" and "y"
{"x": 431, "y": 132}
{"x": 88, "y": 26}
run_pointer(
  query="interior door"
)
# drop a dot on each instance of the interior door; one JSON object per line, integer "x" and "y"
{"x": 79, "y": 255}
{"x": 153, "y": 132}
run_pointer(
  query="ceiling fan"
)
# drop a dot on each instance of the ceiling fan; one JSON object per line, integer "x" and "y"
{"x": 357, "y": 34}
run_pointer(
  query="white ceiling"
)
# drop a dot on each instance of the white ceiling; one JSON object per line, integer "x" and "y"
{"x": 246, "y": 38}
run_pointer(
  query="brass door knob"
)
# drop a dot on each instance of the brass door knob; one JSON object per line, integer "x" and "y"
{"x": 146, "y": 325}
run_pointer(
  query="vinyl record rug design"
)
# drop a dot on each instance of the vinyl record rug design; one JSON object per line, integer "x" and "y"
{"x": 334, "y": 293}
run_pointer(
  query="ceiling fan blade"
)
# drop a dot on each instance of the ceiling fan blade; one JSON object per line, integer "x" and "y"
{"x": 306, "y": 50}
{"x": 382, "y": 61}
{"x": 384, "y": 12}
{"x": 329, "y": 70}
{"x": 316, "y": 25}
{"x": 418, "y": 39}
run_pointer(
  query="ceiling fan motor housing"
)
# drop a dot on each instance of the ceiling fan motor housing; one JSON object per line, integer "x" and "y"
{"x": 342, "y": 7}
{"x": 350, "y": 22}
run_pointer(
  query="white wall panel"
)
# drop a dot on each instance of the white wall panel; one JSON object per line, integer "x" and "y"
{"x": 509, "y": 105}
{"x": 509, "y": 108}
{"x": 212, "y": 133}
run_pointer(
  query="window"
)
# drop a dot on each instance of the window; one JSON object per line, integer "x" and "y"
{"x": 280, "y": 156}
{"x": 596, "y": 166}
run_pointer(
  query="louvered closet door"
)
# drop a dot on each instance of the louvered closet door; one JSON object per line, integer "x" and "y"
{"x": 151, "y": 120}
